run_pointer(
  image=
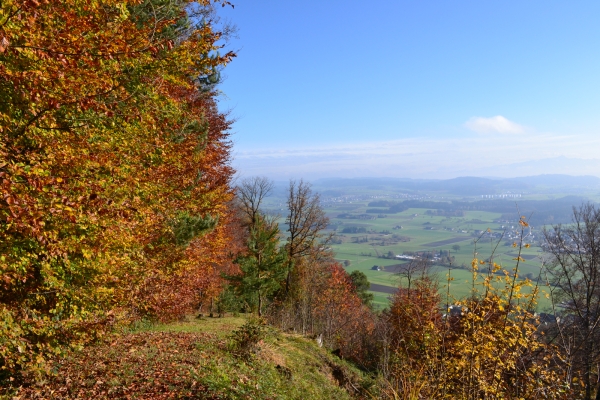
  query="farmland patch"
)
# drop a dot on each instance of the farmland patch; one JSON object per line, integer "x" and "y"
{"x": 447, "y": 241}
{"x": 525, "y": 256}
{"x": 383, "y": 289}
{"x": 394, "y": 269}
{"x": 348, "y": 207}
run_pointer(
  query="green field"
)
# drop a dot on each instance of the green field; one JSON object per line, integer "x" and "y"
{"x": 422, "y": 232}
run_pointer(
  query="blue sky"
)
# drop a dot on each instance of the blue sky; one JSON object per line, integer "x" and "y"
{"x": 420, "y": 89}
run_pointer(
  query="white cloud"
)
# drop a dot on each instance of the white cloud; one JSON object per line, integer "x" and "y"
{"x": 497, "y": 124}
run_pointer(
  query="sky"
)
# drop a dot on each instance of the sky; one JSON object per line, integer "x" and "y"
{"x": 414, "y": 89}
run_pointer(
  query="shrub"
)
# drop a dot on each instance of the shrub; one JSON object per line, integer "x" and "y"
{"x": 245, "y": 341}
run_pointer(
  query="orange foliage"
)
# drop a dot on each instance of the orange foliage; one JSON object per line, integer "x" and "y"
{"x": 114, "y": 169}
{"x": 414, "y": 318}
{"x": 346, "y": 321}
{"x": 487, "y": 347}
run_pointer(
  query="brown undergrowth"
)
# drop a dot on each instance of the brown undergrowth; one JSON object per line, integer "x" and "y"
{"x": 198, "y": 359}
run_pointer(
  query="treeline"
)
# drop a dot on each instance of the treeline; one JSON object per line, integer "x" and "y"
{"x": 114, "y": 170}
{"x": 541, "y": 212}
{"x": 445, "y": 213}
{"x": 355, "y": 216}
{"x": 354, "y": 229}
{"x": 393, "y": 207}
{"x": 293, "y": 280}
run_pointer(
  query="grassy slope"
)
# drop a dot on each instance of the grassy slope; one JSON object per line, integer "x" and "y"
{"x": 195, "y": 359}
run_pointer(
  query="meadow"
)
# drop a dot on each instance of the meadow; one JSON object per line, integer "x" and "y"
{"x": 473, "y": 235}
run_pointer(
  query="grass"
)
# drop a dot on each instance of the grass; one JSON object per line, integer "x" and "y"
{"x": 199, "y": 358}
{"x": 219, "y": 327}
{"x": 380, "y": 300}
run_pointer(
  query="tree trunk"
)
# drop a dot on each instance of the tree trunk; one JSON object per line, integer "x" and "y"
{"x": 259, "y": 307}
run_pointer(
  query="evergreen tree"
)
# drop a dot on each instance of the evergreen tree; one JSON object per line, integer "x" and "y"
{"x": 362, "y": 286}
{"x": 263, "y": 266}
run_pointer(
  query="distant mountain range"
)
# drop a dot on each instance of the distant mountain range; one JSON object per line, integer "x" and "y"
{"x": 471, "y": 186}
{"x": 554, "y": 165}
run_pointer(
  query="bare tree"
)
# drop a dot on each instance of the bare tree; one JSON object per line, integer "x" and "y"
{"x": 574, "y": 272}
{"x": 251, "y": 192}
{"x": 305, "y": 220}
{"x": 414, "y": 269}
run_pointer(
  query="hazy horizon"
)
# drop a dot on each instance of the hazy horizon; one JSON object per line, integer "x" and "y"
{"x": 313, "y": 167}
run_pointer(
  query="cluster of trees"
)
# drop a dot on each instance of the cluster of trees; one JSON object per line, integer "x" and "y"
{"x": 486, "y": 346}
{"x": 394, "y": 208}
{"x": 290, "y": 278}
{"x": 493, "y": 344}
{"x": 114, "y": 169}
{"x": 429, "y": 345}
{"x": 541, "y": 211}
{"x": 354, "y": 229}
{"x": 356, "y": 216}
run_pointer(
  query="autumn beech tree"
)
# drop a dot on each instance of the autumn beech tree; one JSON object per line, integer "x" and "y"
{"x": 114, "y": 169}
{"x": 339, "y": 310}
